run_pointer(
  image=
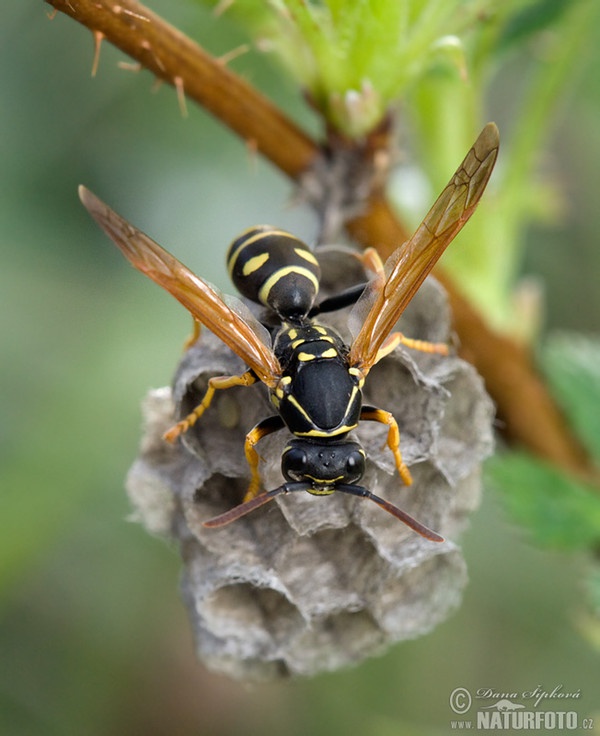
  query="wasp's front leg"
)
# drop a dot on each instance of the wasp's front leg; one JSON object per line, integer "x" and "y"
{"x": 262, "y": 429}
{"x": 197, "y": 328}
{"x": 373, "y": 414}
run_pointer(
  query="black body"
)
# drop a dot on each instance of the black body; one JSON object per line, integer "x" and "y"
{"x": 318, "y": 396}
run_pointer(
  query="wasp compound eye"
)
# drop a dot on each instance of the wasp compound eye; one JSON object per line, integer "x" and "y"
{"x": 355, "y": 465}
{"x": 294, "y": 463}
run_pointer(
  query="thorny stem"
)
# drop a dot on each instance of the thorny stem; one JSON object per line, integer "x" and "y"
{"x": 527, "y": 410}
{"x": 175, "y": 58}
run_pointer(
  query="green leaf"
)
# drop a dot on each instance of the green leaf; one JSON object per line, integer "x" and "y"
{"x": 572, "y": 365}
{"x": 531, "y": 20}
{"x": 357, "y": 57}
{"x": 558, "y": 510}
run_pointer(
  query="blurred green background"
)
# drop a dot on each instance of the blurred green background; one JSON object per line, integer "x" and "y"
{"x": 93, "y": 637}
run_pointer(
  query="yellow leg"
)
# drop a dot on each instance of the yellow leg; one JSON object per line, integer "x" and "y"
{"x": 397, "y": 338}
{"x": 267, "y": 426}
{"x": 371, "y": 261}
{"x": 194, "y": 336}
{"x": 214, "y": 384}
{"x": 372, "y": 414}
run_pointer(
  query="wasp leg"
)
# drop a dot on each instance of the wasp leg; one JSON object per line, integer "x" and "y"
{"x": 194, "y": 336}
{"x": 338, "y": 301}
{"x": 262, "y": 429}
{"x": 372, "y": 414}
{"x": 214, "y": 384}
{"x": 371, "y": 261}
{"x": 397, "y": 338}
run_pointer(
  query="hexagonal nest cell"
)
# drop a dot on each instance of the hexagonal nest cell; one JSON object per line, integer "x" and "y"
{"x": 307, "y": 583}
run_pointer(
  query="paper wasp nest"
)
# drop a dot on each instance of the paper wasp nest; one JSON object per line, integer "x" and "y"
{"x": 305, "y": 583}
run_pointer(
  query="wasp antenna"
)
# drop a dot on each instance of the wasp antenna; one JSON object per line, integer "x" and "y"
{"x": 407, "y": 519}
{"x": 254, "y": 503}
{"x": 240, "y": 510}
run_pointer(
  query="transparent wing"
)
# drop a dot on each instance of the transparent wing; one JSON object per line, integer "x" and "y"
{"x": 242, "y": 333}
{"x": 382, "y": 303}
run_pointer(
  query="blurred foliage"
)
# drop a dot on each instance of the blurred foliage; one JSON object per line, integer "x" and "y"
{"x": 557, "y": 509}
{"x": 572, "y": 364}
{"x": 355, "y": 59}
{"x": 434, "y": 61}
{"x": 93, "y": 638}
{"x": 560, "y": 510}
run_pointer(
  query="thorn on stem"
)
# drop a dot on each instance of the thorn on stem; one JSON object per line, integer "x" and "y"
{"x": 178, "y": 82}
{"x": 98, "y": 38}
{"x": 157, "y": 84}
{"x": 252, "y": 148}
{"x": 147, "y": 46}
{"x": 233, "y": 54}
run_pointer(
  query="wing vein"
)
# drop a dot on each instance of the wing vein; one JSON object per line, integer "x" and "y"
{"x": 384, "y": 301}
{"x": 238, "y": 331}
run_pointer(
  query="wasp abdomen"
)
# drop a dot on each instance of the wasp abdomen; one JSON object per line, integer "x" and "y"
{"x": 276, "y": 269}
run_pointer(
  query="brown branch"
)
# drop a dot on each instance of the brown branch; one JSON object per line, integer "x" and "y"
{"x": 529, "y": 413}
{"x": 172, "y": 56}
{"x": 526, "y": 409}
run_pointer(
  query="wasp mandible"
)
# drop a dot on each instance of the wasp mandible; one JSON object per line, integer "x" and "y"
{"x": 299, "y": 360}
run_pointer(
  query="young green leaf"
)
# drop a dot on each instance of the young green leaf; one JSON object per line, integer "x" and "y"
{"x": 572, "y": 364}
{"x": 558, "y": 510}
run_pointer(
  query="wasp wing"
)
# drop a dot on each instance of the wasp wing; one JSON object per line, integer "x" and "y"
{"x": 384, "y": 300}
{"x": 242, "y": 334}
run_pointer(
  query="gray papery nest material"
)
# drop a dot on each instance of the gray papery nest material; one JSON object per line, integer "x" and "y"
{"x": 307, "y": 584}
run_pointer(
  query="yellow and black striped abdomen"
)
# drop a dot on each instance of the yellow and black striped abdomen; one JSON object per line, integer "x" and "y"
{"x": 274, "y": 268}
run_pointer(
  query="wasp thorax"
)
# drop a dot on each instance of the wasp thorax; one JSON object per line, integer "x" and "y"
{"x": 276, "y": 269}
{"x": 324, "y": 465}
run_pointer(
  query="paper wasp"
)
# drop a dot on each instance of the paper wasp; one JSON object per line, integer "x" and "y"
{"x": 314, "y": 379}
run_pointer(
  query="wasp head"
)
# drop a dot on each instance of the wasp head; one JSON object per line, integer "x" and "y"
{"x": 323, "y": 465}
{"x": 322, "y": 468}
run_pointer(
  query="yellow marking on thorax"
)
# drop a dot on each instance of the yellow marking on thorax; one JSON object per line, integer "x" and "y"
{"x": 358, "y": 374}
{"x": 331, "y": 353}
{"x": 300, "y": 341}
{"x": 294, "y": 402}
{"x": 344, "y": 429}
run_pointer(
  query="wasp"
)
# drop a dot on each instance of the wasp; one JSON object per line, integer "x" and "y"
{"x": 314, "y": 378}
